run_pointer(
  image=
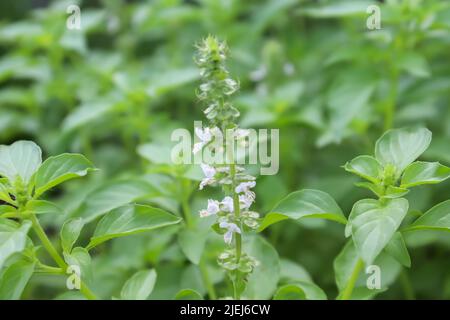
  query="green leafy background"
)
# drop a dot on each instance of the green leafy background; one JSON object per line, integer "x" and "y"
{"x": 116, "y": 89}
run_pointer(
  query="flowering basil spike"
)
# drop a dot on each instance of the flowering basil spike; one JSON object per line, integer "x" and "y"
{"x": 233, "y": 212}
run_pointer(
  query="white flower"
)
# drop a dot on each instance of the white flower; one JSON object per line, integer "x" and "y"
{"x": 245, "y": 201}
{"x": 213, "y": 208}
{"x": 245, "y": 187}
{"x": 209, "y": 173}
{"x": 227, "y": 204}
{"x": 231, "y": 228}
{"x": 204, "y": 135}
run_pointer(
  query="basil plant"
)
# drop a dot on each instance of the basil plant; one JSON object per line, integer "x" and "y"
{"x": 375, "y": 226}
{"x": 25, "y": 181}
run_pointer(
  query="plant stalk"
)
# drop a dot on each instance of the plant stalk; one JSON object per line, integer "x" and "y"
{"x": 237, "y": 212}
{"x": 348, "y": 290}
{"x": 407, "y": 286}
{"x": 55, "y": 255}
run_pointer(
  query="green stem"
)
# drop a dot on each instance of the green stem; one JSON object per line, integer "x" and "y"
{"x": 187, "y": 211}
{"x": 84, "y": 289}
{"x": 235, "y": 292}
{"x": 347, "y": 293}
{"x": 55, "y": 255}
{"x": 186, "y": 191}
{"x": 407, "y": 286}
{"x": 237, "y": 212}
{"x": 392, "y": 98}
{"x": 207, "y": 281}
{"x": 46, "y": 242}
{"x": 42, "y": 268}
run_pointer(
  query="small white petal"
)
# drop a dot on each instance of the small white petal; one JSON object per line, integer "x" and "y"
{"x": 234, "y": 228}
{"x": 204, "y": 213}
{"x": 205, "y": 182}
{"x": 213, "y": 206}
{"x": 197, "y": 147}
{"x": 227, "y": 204}
{"x": 228, "y": 237}
{"x": 245, "y": 202}
{"x": 245, "y": 186}
{"x": 224, "y": 225}
{"x": 203, "y": 134}
{"x": 208, "y": 171}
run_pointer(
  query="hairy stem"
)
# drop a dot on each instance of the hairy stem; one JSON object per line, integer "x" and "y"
{"x": 237, "y": 212}
{"x": 348, "y": 290}
{"x": 55, "y": 255}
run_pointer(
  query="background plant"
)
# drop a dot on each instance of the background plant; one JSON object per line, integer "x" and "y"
{"x": 116, "y": 89}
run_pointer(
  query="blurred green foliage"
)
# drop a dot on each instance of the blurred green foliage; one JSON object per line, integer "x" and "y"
{"x": 115, "y": 90}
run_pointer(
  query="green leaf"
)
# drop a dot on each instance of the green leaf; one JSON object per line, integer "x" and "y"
{"x": 130, "y": 219}
{"x": 300, "y": 291}
{"x": 415, "y": 64}
{"x": 171, "y": 79}
{"x": 139, "y": 286}
{"x": 80, "y": 257}
{"x": 345, "y": 262}
{"x": 418, "y": 173}
{"x": 14, "y": 278}
{"x": 390, "y": 192}
{"x": 192, "y": 242}
{"x": 304, "y": 204}
{"x": 56, "y": 170}
{"x": 397, "y": 249}
{"x": 86, "y": 113}
{"x": 188, "y": 294}
{"x": 335, "y": 10}
{"x": 12, "y": 240}
{"x": 290, "y": 292}
{"x": 377, "y": 189}
{"x": 70, "y": 232}
{"x": 437, "y": 218}
{"x": 400, "y": 147}
{"x": 8, "y": 210}
{"x": 262, "y": 282}
{"x": 366, "y": 167}
{"x": 114, "y": 195}
{"x": 347, "y": 98}
{"x": 372, "y": 224}
{"x": 293, "y": 272}
{"x": 42, "y": 206}
{"x": 21, "y": 159}
{"x": 4, "y": 194}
